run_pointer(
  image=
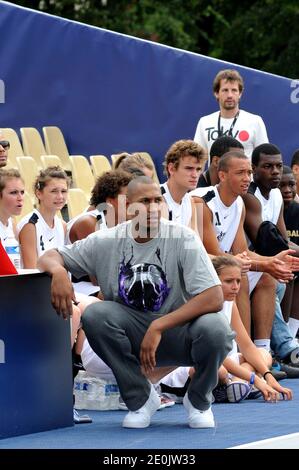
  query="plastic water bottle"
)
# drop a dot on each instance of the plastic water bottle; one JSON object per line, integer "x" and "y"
{"x": 12, "y": 248}
{"x": 93, "y": 393}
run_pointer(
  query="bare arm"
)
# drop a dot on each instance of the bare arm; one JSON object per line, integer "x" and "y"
{"x": 62, "y": 292}
{"x": 240, "y": 244}
{"x": 253, "y": 219}
{"x": 83, "y": 227}
{"x": 246, "y": 346}
{"x": 273, "y": 265}
{"x": 252, "y": 355}
{"x": 207, "y": 234}
{"x": 210, "y": 300}
{"x": 193, "y": 222}
{"x": 269, "y": 390}
{"x": 27, "y": 238}
{"x": 205, "y": 227}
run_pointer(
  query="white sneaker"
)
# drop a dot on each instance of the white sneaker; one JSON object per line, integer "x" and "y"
{"x": 237, "y": 391}
{"x": 142, "y": 418}
{"x": 198, "y": 418}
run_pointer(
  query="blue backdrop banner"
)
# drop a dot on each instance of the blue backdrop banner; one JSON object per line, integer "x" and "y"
{"x": 109, "y": 92}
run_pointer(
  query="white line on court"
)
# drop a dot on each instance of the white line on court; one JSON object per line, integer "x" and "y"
{"x": 289, "y": 441}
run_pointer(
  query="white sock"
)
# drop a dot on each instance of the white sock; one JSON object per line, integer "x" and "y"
{"x": 263, "y": 343}
{"x": 293, "y": 326}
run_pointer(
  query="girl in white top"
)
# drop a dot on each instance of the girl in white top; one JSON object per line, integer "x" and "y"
{"x": 251, "y": 360}
{"x": 12, "y": 192}
{"x": 238, "y": 374}
{"x": 42, "y": 229}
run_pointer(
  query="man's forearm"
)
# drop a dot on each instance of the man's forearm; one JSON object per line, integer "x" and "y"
{"x": 50, "y": 262}
{"x": 209, "y": 301}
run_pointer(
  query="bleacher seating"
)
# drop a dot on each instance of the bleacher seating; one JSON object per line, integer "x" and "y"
{"x": 82, "y": 174}
{"x": 99, "y": 164}
{"x": 77, "y": 202}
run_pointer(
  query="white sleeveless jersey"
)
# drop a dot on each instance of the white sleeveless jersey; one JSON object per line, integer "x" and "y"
{"x": 226, "y": 220}
{"x": 10, "y": 242}
{"x": 46, "y": 236}
{"x": 101, "y": 222}
{"x": 227, "y": 310}
{"x": 6, "y": 231}
{"x": 270, "y": 207}
{"x": 200, "y": 192}
{"x": 179, "y": 213}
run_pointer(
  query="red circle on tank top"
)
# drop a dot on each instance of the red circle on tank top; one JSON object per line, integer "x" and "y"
{"x": 243, "y": 135}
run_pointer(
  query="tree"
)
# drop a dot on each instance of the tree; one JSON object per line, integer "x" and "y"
{"x": 265, "y": 36}
{"x": 262, "y": 34}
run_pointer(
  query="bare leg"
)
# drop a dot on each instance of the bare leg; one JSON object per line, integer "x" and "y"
{"x": 263, "y": 306}
{"x": 294, "y": 311}
{"x": 75, "y": 322}
{"x": 83, "y": 302}
{"x": 267, "y": 358}
{"x": 223, "y": 375}
{"x": 295, "y": 301}
{"x": 286, "y": 303}
{"x": 243, "y": 303}
{"x": 159, "y": 372}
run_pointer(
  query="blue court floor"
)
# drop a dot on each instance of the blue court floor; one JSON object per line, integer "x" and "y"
{"x": 237, "y": 424}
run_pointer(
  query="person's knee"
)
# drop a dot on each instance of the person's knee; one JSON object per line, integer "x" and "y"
{"x": 266, "y": 356}
{"x": 94, "y": 316}
{"x": 215, "y": 331}
{"x": 267, "y": 282}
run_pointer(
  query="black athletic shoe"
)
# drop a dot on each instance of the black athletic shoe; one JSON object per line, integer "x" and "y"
{"x": 292, "y": 359}
{"x": 220, "y": 393}
{"x": 292, "y": 372}
{"x": 277, "y": 373}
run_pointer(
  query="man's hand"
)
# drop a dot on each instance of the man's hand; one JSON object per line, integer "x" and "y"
{"x": 149, "y": 347}
{"x": 286, "y": 392}
{"x": 244, "y": 261}
{"x": 62, "y": 293}
{"x": 279, "y": 269}
{"x": 291, "y": 261}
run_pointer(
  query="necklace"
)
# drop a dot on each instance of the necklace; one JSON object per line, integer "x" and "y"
{"x": 230, "y": 131}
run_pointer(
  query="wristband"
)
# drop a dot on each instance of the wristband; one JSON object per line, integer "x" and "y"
{"x": 268, "y": 372}
{"x": 252, "y": 377}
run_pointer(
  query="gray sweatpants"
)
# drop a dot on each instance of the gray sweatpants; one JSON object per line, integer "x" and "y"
{"x": 115, "y": 333}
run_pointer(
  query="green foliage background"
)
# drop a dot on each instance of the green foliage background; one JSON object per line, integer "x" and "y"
{"x": 259, "y": 34}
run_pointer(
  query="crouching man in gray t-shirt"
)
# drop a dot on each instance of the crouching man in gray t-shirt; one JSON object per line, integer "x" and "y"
{"x": 161, "y": 294}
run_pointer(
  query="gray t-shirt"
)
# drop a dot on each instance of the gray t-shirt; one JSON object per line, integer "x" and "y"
{"x": 157, "y": 276}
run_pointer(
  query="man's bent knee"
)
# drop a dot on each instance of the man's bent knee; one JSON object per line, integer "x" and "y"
{"x": 214, "y": 330}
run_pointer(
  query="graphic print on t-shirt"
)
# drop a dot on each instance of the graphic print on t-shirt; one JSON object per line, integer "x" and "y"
{"x": 142, "y": 286}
